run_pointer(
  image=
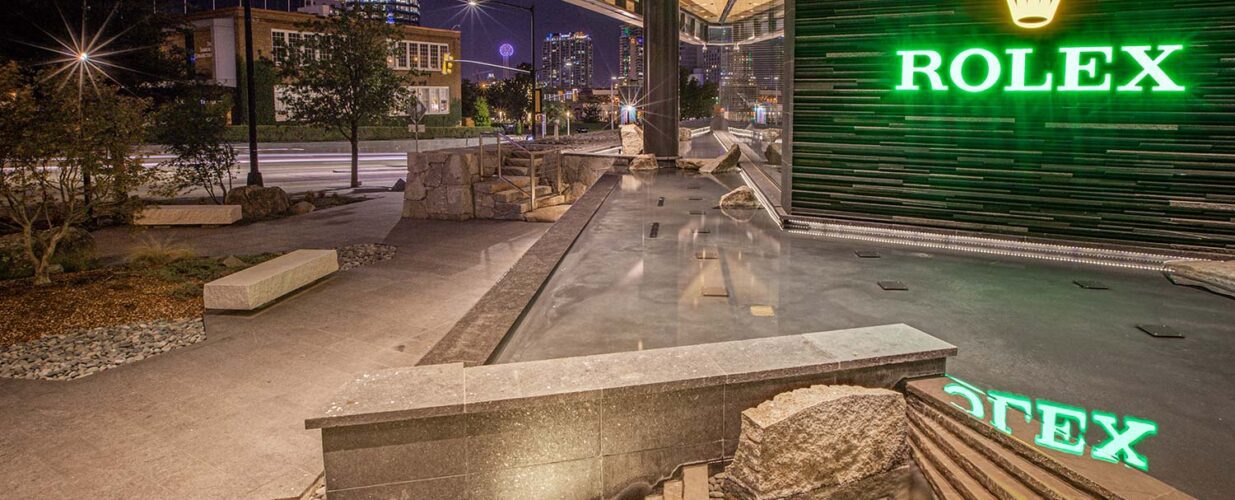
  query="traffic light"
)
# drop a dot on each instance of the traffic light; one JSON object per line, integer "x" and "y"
{"x": 448, "y": 64}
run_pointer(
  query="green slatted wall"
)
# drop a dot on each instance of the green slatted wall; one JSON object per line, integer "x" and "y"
{"x": 1155, "y": 168}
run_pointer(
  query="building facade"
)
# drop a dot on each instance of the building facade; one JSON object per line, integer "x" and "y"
{"x": 566, "y": 61}
{"x": 216, "y": 50}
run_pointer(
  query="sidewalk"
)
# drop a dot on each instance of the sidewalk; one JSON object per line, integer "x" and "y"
{"x": 224, "y": 418}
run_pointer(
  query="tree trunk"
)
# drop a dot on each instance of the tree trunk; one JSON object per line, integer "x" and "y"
{"x": 355, "y": 156}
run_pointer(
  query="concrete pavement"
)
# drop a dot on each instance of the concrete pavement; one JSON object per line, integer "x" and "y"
{"x": 224, "y": 418}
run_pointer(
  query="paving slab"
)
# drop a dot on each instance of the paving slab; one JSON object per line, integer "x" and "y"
{"x": 225, "y": 418}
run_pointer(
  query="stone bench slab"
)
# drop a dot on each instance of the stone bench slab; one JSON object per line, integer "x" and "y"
{"x": 261, "y": 284}
{"x": 189, "y": 215}
{"x": 1216, "y": 276}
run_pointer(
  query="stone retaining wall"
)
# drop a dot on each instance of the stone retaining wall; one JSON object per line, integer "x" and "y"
{"x": 587, "y": 427}
{"x": 441, "y": 184}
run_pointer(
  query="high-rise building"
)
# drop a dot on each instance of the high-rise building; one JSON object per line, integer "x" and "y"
{"x": 566, "y": 61}
{"x": 405, "y": 12}
{"x": 630, "y": 55}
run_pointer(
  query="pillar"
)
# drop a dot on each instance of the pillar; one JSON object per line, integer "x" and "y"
{"x": 660, "y": 110}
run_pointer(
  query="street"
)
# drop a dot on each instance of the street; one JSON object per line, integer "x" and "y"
{"x": 296, "y": 171}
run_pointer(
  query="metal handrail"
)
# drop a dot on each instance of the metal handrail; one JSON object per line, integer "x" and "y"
{"x": 532, "y": 174}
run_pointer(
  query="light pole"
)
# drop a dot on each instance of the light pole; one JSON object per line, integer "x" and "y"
{"x": 255, "y": 175}
{"x": 531, "y": 10}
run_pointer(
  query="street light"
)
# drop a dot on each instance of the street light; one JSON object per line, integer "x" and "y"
{"x": 255, "y": 175}
{"x": 531, "y": 10}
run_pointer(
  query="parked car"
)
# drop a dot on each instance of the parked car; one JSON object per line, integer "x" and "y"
{"x": 581, "y": 130}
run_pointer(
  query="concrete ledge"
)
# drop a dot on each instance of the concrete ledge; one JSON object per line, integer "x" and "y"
{"x": 585, "y": 427}
{"x": 189, "y": 215}
{"x": 479, "y": 333}
{"x": 261, "y": 284}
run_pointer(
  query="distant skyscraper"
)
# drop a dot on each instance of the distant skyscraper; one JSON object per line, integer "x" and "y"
{"x": 566, "y": 61}
{"x": 397, "y": 11}
{"x": 630, "y": 55}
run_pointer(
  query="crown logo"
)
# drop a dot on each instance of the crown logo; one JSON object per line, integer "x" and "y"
{"x": 1033, "y": 14}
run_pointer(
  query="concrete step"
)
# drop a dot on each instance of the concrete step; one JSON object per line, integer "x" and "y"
{"x": 974, "y": 464}
{"x": 513, "y": 170}
{"x": 515, "y": 210}
{"x": 934, "y": 477}
{"x": 1042, "y": 481}
{"x": 495, "y": 185}
{"x": 516, "y": 195}
{"x": 1092, "y": 477}
{"x": 695, "y": 482}
{"x": 673, "y": 490}
{"x": 514, "y": 161}
{"x": 928, "y": 452}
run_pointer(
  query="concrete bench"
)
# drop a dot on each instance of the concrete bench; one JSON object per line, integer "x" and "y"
{"x": 259, "y": 285}
{"x": 189, "y": 215}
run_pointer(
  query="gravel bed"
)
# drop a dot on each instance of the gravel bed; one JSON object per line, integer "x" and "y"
{"x": 353, "y": 256}
{"x": 86, "y": 352}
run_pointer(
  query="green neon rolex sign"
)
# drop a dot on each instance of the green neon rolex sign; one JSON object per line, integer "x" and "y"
{"x": 1078, "y": 69}
{"x": 1061, "y": 427}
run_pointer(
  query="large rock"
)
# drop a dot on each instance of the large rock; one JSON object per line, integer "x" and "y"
{"x": 742, "y": 197}
{"x": 74, "y": 252}
{"x": 770, "y": 135}
{"x": 684, "y": 134}
{"x": 632, "y": 139}
{"x": 726, "y": 163}
{"x": 772, "y": 153}
{"x": 691, "y": 163}
{"x": 818, "y": 438}
{"x": 644, "y": 162}
{"x": 302, "y": 207}
{"x": 1216, "y": 276}
{"x": 257, "y": 202}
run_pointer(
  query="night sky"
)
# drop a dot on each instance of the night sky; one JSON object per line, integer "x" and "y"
{"x": 484, "y": 32}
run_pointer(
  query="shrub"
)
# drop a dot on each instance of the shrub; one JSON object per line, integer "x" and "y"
{"x": 153, "y": 253}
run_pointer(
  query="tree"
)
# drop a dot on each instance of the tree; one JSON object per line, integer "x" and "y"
{"x": 696, "y": 100}
{"x": 470, "y": 93}
{"x": 49, "y": 137}
{"x": 340, "y": 79}
{"x": 590, "y": 113}
{"x": 481, "y": 115}
{"x": 513, "y": 95}
{"x": 194, "y": 129}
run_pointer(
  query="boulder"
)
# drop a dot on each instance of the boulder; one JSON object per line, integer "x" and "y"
{"x": 770, "y": 135}
{"x": 644, "y": 162}
{"x": 399, "y": 187}
{"x": 257, "y": 202}
{"x": 1217, "y": 276}
{"x": 632, "y": 139}
{"x": 233, "y": 262}
{"x": 302, "y": 207}
{"x": 74, "y": 252}
{"x": 684, "y": 134}
{"x": 691, "y": 163}
{"x": 726, "y": 163}
{"x": 742, "y": 197}
{"x": 773, "y": 154}
{"x": 818, "y": 438}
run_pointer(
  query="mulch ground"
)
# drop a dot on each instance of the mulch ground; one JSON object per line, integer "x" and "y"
{"x": 90, "y": 299}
